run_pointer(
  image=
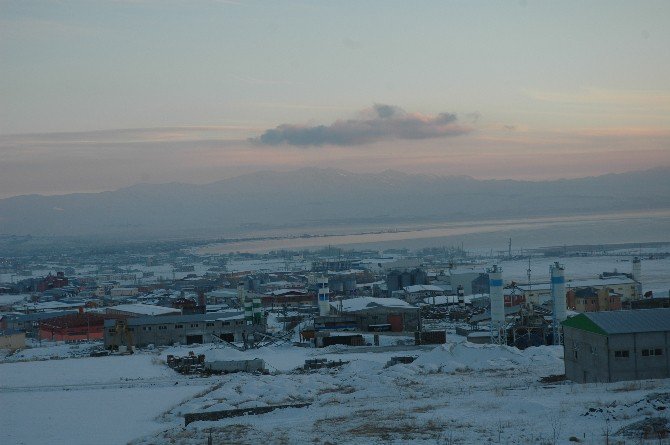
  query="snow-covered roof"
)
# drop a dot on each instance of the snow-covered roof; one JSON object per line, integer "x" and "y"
{"x": 280, "y": 292}
{"x": 610, "y": 281}
{"x": 422, "y": 288}
{"x": 446, "y": 299}
{"x": 145, "y": 309}
{"x": 48, "y": 306}
{"x": 534, "y": 287}
{"x": 631, "y": 321}
{"x": 222, "y": 293}
{"x": 363, "y": 303}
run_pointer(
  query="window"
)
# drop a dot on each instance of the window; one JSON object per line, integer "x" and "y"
{"x": 195, "y": 325}
{"x": 178, "y": 326}
{"x": 621, "y": 354}
{"x": 146, "y": 328}
{"x": 162, "y": 328}
{"x": 111, "y": 331}
{"x": 226, "y": 323}
{"x": 210, "y": 325}
{"x": 651, "y": 352}
{"x": 574, "y": 353}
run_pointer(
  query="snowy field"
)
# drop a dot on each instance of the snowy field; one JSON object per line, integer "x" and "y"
{"x": 454, "y": 393}
{"x": 103, "y": 400}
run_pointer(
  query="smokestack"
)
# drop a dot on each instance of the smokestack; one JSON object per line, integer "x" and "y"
{"x": 461, "y": 296}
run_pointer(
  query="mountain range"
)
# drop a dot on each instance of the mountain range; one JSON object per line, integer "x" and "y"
{"x": 314, "y": 197}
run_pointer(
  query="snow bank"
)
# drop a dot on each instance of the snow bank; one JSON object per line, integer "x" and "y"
{"x": 452, "y": 357}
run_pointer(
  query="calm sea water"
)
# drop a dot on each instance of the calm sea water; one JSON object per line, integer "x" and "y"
{"x": 525, "y": 234}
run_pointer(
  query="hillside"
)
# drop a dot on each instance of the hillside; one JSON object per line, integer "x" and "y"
{"x": 314, "y": 197}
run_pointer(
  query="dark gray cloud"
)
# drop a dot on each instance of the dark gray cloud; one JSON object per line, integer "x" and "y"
{"x": 381, "y": 122}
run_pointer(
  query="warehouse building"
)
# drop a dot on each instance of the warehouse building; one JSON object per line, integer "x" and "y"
{"x": 379, "y": 314}
{"x": 183, "y": 329}
{"x": 617, "y": 345}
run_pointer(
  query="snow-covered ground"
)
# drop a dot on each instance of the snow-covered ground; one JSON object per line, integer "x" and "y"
{"x": 103, "y": 400}
{"x": 456, "y": 393}
{"x": 453, "y": 393}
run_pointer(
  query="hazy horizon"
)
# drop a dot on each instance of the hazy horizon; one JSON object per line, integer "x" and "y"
{"x": 307, "y": 168}
{"x": 103, "y": 95}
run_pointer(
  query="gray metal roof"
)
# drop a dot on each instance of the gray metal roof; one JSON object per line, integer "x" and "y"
{"x": 167, "y": 319}
{"x": 627, "y": 322}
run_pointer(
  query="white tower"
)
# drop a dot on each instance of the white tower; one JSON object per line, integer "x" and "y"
{"x": 637, "y": 275}
{"x": 558, "y": 298}
{"x": 323, "y": 296}
{"x": 497, "y": 304}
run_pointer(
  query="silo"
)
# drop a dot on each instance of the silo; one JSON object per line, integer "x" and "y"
{"x": 497, "y": 302}
{"x": 257, "y": 311}
{"x": 558, "y": 291}
{"x": 336, "y": 285}
{"x": 637, "y": 275}
{"x": 323, "y": 296}
{"x": 405, "y": 279}
{"x": 350, "y": 284}
{"x": 419, "y": 276}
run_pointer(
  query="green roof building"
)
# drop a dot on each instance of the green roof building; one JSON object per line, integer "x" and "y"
{"x": 617, "y": 345}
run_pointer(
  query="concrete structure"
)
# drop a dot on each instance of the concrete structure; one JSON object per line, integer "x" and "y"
{"x": 473, "y": 281}
{"x": 558, "y": 300}
{"x": 323, "y": 296}
{"x": 371, "y": 313}
{"x": 637, "y": 275}
{"x": 617, "y": 345}
{"x": 183, "y": 329}
{"x": 398, "y": 279}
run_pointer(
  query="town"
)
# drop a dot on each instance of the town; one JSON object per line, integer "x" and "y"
{"x": 601, "y": 315}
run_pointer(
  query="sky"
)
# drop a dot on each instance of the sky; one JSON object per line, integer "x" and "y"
{"x": 98, "y": 95}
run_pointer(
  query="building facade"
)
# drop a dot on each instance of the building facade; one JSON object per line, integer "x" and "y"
{"x": 617, "y": 345}
{"x": 380, "y": 313}
{"x": 183, "y": 329}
